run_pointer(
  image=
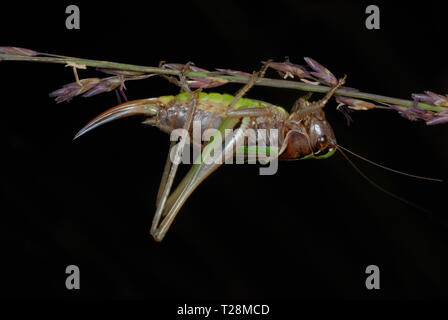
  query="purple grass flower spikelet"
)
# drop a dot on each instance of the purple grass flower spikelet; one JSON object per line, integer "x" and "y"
{"x": 439, "y": 100}
{"x": 414, "y": 113}
{"x": 105, "y": 85}
{"x": 73, "y": 89}
{"x": 289, "y": 70}
{"x": 422, "y": 98}
{"x": 355, "y": 104}
{"x": 431, "y": 98}
{"x": 89, "y": 87}
{"x": 347, "y": 105}
{"x": 422, "y": 114}
{"x": 321, "y": 73}
{"x": 18, "y": 51}
{"x": 198, "y": 82}
{"x": 438, "y": 120}
{"x": 404, "y": 112}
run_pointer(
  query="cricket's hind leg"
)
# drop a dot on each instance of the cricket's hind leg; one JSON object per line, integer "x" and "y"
{"x": 168, "y": 206}
{"x": 164, "y": 214}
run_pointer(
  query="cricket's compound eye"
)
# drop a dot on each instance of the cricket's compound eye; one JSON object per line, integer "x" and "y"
{"x": 321, "y": 140}
{"x": 325, "y": 147}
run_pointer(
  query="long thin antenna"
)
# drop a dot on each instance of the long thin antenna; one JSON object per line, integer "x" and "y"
{"x": 373, "y": 183}
{"x": 389, "y": 169}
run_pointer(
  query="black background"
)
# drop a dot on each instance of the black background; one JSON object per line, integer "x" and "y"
{"x": 308, "y": 231}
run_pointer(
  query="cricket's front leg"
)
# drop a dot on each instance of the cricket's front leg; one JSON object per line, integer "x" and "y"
{"x": 197, "y": 174}
{"x": 322, "y": 102}
{"x": 303, "y": 107}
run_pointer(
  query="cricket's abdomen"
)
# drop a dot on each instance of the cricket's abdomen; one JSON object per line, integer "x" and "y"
{"x": 210, "y": 111}
{"x": 174, "y": 117}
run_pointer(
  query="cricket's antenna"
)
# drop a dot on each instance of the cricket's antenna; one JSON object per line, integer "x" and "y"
{"x": 389, "y": 169}
{"x": 373, "y": 183}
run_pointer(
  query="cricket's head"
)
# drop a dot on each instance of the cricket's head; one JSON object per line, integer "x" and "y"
{"x": 308, "y": 137}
